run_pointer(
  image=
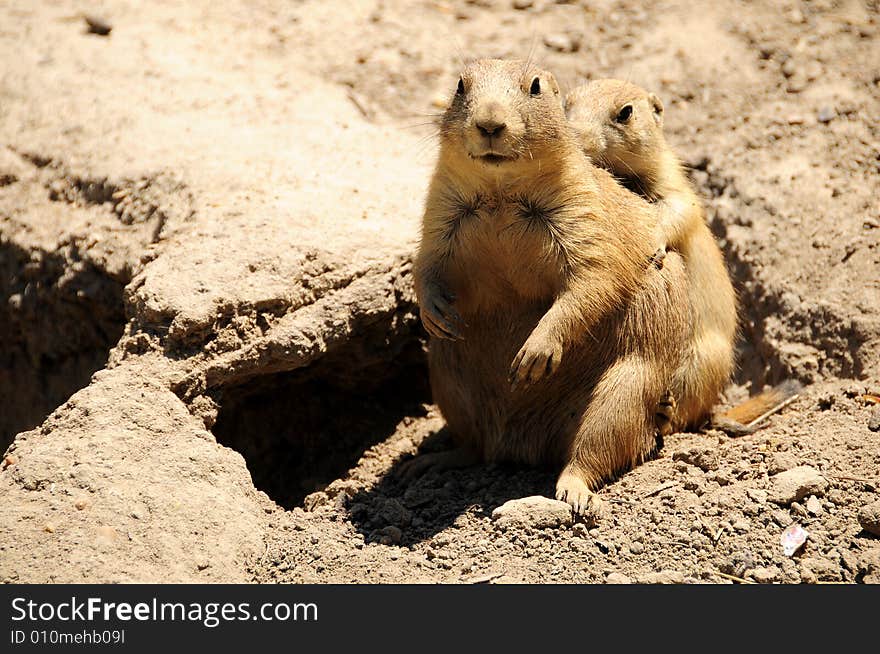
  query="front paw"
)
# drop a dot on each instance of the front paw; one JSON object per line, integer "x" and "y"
{"x": 584, "y": 502}
{"x": 439, "y": 315}
{"x": 539, "y": 357}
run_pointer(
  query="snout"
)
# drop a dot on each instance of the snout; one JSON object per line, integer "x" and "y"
{"x": 492, "y": 133}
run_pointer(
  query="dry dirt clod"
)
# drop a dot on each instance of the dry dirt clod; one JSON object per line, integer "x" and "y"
{"x": 869, "y": 518}
{"x": 874, "y": 419}
{"x": 562, "y": 42}
{"x": 826, "y": 115}
{"x": 662, "y": 577}
{"x": 536, "y": 512}
{"x": 795, "y": 484}
{"x": 97, "y": 26}
{"x": 705, "y": 458}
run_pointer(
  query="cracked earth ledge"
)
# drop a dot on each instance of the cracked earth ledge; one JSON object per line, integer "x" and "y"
{"x": 158, "y": 264}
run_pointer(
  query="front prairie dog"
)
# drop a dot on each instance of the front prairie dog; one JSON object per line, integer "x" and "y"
{"x": 553, "y": 337}
{"x": 620, "y": 127}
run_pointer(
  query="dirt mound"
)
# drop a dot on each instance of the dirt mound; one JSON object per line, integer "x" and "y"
{"x": 226, "y": 233}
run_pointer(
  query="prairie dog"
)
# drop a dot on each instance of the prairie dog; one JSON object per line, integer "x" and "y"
{"x": 620, "y": 127}
{"x": 553, "y": 338}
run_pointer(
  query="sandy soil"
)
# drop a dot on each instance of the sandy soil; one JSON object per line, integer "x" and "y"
{"x": 214, "y": 209}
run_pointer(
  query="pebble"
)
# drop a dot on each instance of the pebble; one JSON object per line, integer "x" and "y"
{"x": 869, "y": 518}
{"x": 617, "y": 578}
{"x": 662, "y": 577}
{"x": 742, "y": 525}
{"x": 780, "y": 462}
{"x": 826, "y": 115}
{"x": 81, "y": 503}
{"x": 873, "y": 419}
{"x": 535, "y": 512}
{"x": 390, "y": 535}
{"x": 704, "y": 458}
{"x": 764, "y": 575}
{"x": 394, "y": 513}
{"x": 523, "y": 4}
{"x": 796, "y": 484}
{"x": 814, "y": 506}
{"x": 757, "y": 495}
{"x": 562, "y": 43}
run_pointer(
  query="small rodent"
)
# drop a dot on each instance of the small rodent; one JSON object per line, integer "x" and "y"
{"x": 554, "y": 340}
{"x": 620, "y": 127}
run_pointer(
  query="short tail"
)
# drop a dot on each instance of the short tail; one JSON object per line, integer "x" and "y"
{"x": 747, "y": 417}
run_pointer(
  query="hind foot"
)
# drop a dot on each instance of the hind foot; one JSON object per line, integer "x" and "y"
{"x": 584, "y": 502}
{"x": 436, "y": 462}
{"x": 665, "y": 413}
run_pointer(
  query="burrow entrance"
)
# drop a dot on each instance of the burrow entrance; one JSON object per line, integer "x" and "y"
{"x": 59, "y": 318}
{"x": 298, "y": 431}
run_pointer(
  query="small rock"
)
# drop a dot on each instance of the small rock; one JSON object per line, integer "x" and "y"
{"x": 562, "y": 43}
{"x": 390, "y": 535}
{"x": 97, "y": 25}
{"x": 49, "y": 528}
{"x": 869, "y": 518}
{"x": 394, "y": 513}
{"x": 795, "y": 484}
{"x": 9, "y": 460}
{"x": 764, "y": 575}
{"x": 813, "y": 505}
{"x": 416, "y": 496}
{"x": 781, "y": 518}
{"x": 536, "y": 512}
{"x": 826, "y": 115}
{"x": 796, "y": 83}
{"x": 704, "y": 458}
{"x": 757, "y": 495}
{"x": 741, "y": 525}
{"x": 873, "y": 420}
{"x": 637, "y": 548}
{"x": 523, "y": 4}
{"x": 662, "y": 577}
{"x": 780, "y": 462}
{"x": 81, "y": 503}
{"x": 617, "y": 578}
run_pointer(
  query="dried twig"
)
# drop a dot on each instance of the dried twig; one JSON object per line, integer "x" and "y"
{"x": 659, "y": 489}
{"x": 776, "y": 409}
{"x": 739, "y": 580}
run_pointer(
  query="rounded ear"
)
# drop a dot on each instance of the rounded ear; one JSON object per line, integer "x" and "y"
{"x": 657, "y": 107}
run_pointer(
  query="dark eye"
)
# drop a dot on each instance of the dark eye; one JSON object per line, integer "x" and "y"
{"x": 535, "y": 88}
{"x": 460, "y": 89}
{"x": 624, "y": 114}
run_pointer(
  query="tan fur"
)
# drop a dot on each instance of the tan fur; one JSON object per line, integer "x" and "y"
{"x": 636, "y": 151}
{"x": 553, "y": 339}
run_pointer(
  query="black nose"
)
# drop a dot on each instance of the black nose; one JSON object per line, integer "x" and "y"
{"x": 490, "y": 127}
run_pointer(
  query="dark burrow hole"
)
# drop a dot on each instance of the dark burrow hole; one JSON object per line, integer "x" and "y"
{"x": 59, "y": 318}
{"x": 298, "y": 431}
